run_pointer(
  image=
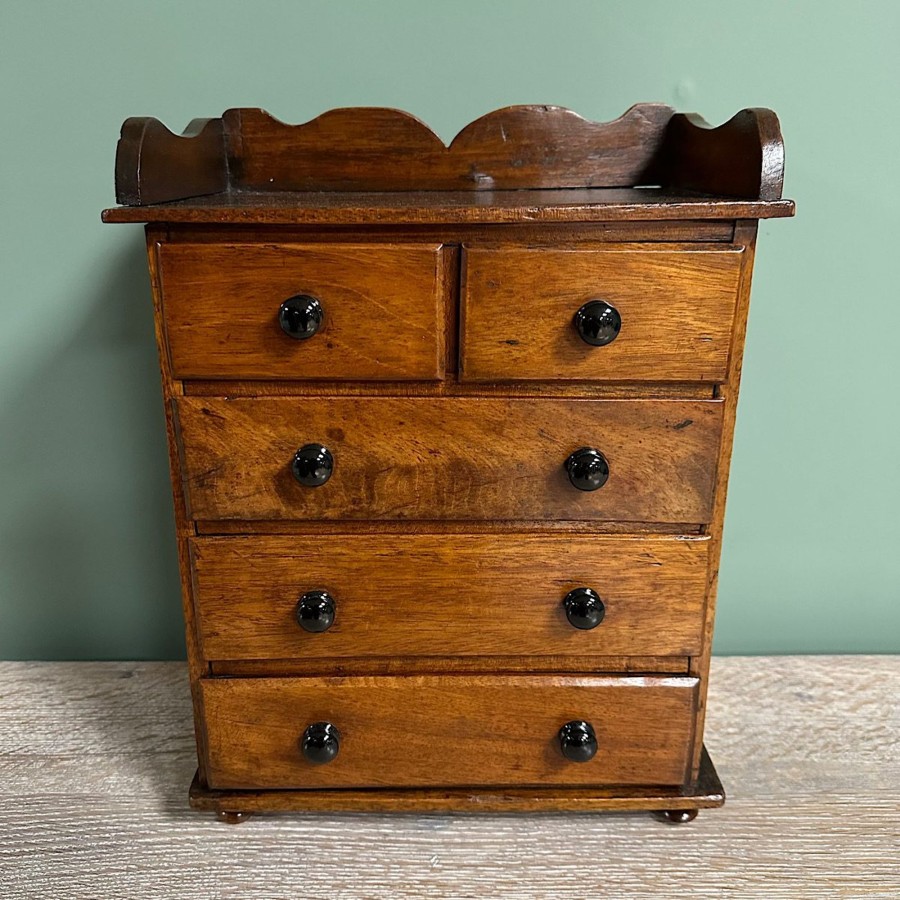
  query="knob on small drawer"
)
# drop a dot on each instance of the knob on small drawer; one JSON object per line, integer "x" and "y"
{"x": 321, "y": 743}
{"x": 577, "y": 741}
{"x": 312, "y": 465}
{"x": 584, "y": 608}
{"x": 315, "y": 611}
{"x": 588, "y": 469}
{"x": 301, "y": 316}
{"x": 598, "y": 323}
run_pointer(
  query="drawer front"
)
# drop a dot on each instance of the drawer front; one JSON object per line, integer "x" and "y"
{"x": 449, "y": 458}
{"x": 382, "y": 306}
{"x": 448, "y": 595}
{"x": 441, "y": 731}
{"x": 675, "y": 307}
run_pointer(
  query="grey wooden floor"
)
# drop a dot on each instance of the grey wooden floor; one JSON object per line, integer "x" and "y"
{"x": 95, "y": 760}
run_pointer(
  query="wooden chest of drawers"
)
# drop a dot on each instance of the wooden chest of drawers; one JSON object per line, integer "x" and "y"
{"x": 450, "y": 431}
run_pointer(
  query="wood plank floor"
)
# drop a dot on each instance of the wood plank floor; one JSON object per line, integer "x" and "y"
{"x": 96, "y": 758}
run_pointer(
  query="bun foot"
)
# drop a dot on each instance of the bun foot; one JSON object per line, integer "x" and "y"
{"x": 232, "y": 817}
{"x": 676, "y": 816}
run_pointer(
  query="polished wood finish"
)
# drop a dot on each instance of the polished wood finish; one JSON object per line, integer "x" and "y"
{"x": 705, "y": 793}
{"x": 184, "y": 529}
{"x": 446, "y": 389}
{"x": 454, "y": 208}
{"x": 518, "y": 147}
{"x": 588, "y": 390}
{"x": 743, "y": 157}
{"x": 448, "y": 526}
{"x": 396, "y": 458}
{"x": 457, "y": 596}
{"x": 153, "y": 165}
{"x": 676, "y": 304}
{"x": 520, "y": 164}
{"x": 453, "y": 665}
{"x": 549, "y": 234}
{"x": 747, "y": 232}
{"x": 384, "y": 307}
{"x": 447, "y": 731}
{"x": 509, "y": 149}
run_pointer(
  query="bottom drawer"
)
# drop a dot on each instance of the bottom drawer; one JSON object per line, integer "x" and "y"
{"x": 440, "y": 731}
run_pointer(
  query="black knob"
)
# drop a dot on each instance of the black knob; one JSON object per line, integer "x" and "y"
{"x": 312, "y": 465}
{"x": 301, "y": 316}
{"x": 588, "y": 469}
{"x": 577, "y": 741}
{"x": 584, "y": 608}
{"x": 598, "y": 323}
{"x": 315, "y": 611}
{"x": 321, "y": 742}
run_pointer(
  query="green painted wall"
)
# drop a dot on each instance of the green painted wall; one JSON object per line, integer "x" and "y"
{"x": 87, "y": 556}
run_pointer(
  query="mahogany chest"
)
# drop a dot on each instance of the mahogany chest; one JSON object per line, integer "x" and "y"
{"x": 449, "y": 432}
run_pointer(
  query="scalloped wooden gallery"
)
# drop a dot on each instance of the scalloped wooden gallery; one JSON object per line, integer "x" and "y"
{"x": 449, "y": 432}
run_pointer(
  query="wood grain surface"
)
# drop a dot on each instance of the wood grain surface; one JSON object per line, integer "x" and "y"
{"x": 384, "y": 308}
{"x": 676, "y": 304}
{"x": 441, "y": 595}
{"x": 743, "y": 157}
{"x": 517, "y": 147}
{"x": 745, "y": 232}
{"x": 586, "y": 390}
{"x": 377, "y": 149}
{"x": 705, "y": 793}
{"x": 153, "y": 165}
{"x": 462, "y": 730}
{"x": 541, "y": 234}
{"x": 450, "y": 207}
{"x": 184, "y": 528}
{"x": 453, "y": 665}
{"x": 449, "y": 458}
{"x": 95, "y": 759}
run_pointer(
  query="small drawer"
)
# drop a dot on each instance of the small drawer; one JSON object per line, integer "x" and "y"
{"x": 621, "y": 313}
{"x": 425, "y": 595}
{"x": 417, "y": 731}
{"x": 341, "y": 312}
{"x": 449, "y": 458}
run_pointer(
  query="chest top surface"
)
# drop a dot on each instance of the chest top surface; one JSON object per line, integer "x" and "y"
{"x": 520, "y": 164}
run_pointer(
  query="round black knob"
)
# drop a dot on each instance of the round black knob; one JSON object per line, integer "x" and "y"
{"x": 598, "y": 323}
{"x": 321, "y": 742}
{"x": 301, "y": 316}
{"x": 588, "y": 469}
{"x": 315, "y": 611}
{"x": 577, "y": 741}
{"x": 312, "y": 465}
{"x": 584, "y": 608}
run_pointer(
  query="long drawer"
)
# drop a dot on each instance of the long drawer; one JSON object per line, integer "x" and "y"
{"x": 449, "y": 458}
{"x": 432, "y": 731}
{"x": 423, "y": 595}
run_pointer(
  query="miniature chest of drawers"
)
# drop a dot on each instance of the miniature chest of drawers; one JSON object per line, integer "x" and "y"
{"x": 449, "y": 431}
